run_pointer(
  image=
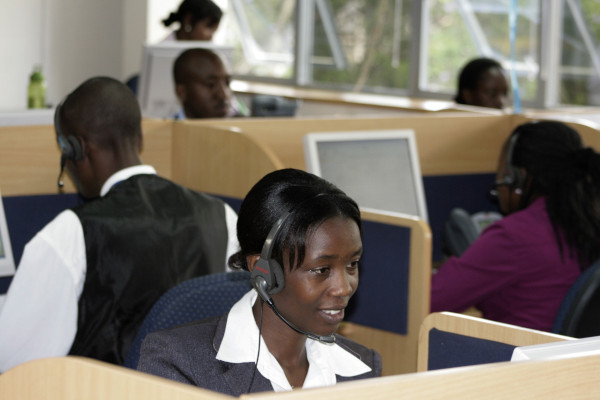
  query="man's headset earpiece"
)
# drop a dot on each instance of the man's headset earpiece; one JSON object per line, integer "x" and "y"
{"x": 513, "y": 176}
{"x": 70, "y": 146}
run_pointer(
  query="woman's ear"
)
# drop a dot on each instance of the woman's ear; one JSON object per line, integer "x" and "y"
{"x": 251, "y": 261}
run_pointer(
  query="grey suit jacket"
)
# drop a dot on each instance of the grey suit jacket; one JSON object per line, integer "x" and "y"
{"x": 188, "y": 354}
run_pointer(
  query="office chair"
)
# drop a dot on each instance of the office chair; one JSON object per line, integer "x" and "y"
{"x": 272, "y": 106}
{"x": 458, "y": 233}
{"x": 192, "y": 300}
{"x": 579, "y": 310}
{"x": 461, "y": 229}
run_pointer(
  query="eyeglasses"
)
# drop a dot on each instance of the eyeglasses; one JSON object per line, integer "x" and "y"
{"x": 494, "y": 189}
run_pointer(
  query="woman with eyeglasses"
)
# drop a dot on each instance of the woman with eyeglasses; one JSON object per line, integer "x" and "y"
{"x": 520, "y": 268}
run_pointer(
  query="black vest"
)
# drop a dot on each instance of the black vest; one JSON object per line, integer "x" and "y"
{"x": 144, "y": 237}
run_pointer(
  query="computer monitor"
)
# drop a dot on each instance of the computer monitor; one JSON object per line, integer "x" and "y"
{"x": 379, "y": 169}
{"x": 558, "y": 350}
{"x": 7, "y": 262}
{"x": 156, "y": 90}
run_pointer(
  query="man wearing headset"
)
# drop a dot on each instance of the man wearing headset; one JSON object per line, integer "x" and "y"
{"x": 88, "y": 278}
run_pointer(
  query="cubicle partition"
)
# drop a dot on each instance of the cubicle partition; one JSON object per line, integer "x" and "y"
{"x": 73, "y": 378}
{"x": 397, "y": 248}
{"x": 458, "y": 154}
{"x": 449, "y": 340}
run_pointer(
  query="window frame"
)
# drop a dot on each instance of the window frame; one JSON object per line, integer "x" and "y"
{"x": 549, "y": 32}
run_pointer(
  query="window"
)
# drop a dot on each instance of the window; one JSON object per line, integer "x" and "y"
{"x": 265, "y": 41}
{"x": 455, "y": 31}
{"x": 416, "y": 48}
{"x": 374, "y": 40}
{"x": 580, "y": 63}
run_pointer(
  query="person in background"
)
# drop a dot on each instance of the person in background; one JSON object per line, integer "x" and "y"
{"x": 483, "y": 82}
{"x": 520, "y": 268}
{"x": 198, "y": 20}
{"x": 300, "y": 237}
{"x": 88, "y": 278}
{"x": 202, "y": 86}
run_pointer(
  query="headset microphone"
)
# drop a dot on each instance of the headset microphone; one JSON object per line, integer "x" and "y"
{"x": 260, "y": 284}
{"x": 60, "y": 183}
{"x": 70, "y": 146}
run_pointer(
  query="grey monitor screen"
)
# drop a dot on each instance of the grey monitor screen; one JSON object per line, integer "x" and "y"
{"x": 378, "y": 169}
{"x": 7, "y": 263}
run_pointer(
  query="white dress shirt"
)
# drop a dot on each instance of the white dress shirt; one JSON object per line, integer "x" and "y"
{"x": 240, "y": 345}
{"x": 39, "y": 316}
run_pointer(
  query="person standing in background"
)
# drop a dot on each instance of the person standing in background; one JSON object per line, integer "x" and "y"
{"x": 198, "y": 20}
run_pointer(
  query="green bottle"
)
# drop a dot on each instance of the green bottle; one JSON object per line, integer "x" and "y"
{"x": 36, "y": 92}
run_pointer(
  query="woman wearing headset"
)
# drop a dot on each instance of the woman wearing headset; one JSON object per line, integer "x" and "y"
{"x": 300, "y": 236}
{"x": 519, "y": 270}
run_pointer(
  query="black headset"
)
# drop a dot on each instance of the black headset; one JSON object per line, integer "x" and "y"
{"x": 267, "y": 276}
{"x": 513, "y": 176}
{"x": 70, "y": 146}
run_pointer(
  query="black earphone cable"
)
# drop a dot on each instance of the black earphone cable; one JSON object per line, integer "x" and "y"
{"x": 262, "y": 303}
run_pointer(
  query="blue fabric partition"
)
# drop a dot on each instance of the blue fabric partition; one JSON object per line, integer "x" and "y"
{"x": 445, "y": 192}
{"x": 449, "y": 350}
{"x": 381, "y": 300}
{"x": 26, "y": 215}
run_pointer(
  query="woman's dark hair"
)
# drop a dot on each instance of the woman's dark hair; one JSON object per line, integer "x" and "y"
{"x": 199, "y": 10}
{"x": 471, "y": 74}
{"x": 559, "y": 167}
{"x": 309, "y": 199}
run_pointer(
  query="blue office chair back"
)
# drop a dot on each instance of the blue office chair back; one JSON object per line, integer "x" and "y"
{"x": 579, "y": 312}
{"x": 192, "y": 300}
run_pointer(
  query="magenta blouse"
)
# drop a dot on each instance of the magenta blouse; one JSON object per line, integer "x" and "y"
{"x": 513, "y": 273}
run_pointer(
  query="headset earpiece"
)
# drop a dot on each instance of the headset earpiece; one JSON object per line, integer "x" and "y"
{"x": 267, "y": 278}
{"x": 70, "y": 146}
{"x": 513, "y": 176}
{"x": 77, "y": 153}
